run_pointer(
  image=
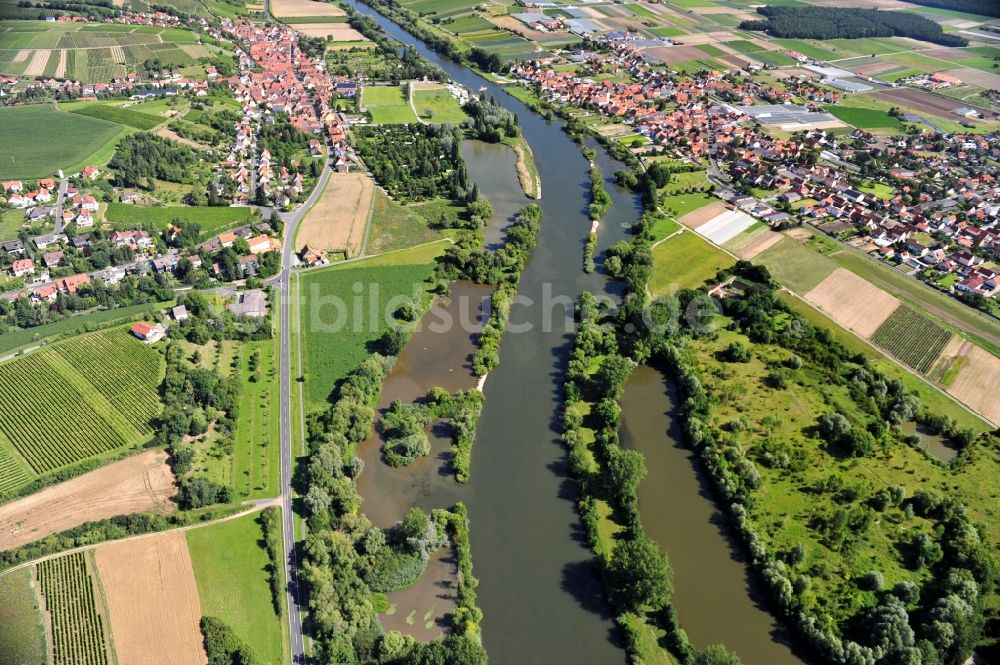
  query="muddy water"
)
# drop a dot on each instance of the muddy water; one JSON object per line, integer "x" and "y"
{"x": 492, "y": 167}
{"x": 439, "y": 354}
{"x": 424, "y": 610}
{"x": 937, "y": 445}
{"x": 713, "y": 593}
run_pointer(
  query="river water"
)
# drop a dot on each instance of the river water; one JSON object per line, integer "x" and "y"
{"x": 541, "y": 598}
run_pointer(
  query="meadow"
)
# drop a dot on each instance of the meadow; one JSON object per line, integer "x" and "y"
{"x": 39, "y": 140}
{"x": 211, "y": 219}
{"x": 387, "y": 105}
{"x": 230, "y": 568}
{"x": 685, "y": 261}
{"x": 74, "y": 401}
{"x": 331, "y": 351}
{"x": 256, "y": 437}
{"x": 681, "y": 204}
{"x": 127, "y": 117}
{"x": 438, "y": 106}
{"x": 863, "y": 118}
{"x": 22, "y": 640}
{"x": 397, "y": 227}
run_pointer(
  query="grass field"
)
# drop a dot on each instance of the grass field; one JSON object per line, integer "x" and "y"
{"x": 397, "y": 227}
{"x": 74, "y": 401}
{"x": 912, "y": 338}
{"x": 796, "y": 266}
{"x": 387, "y": 105}
{"x": 39, "y": 140}
{"x": 438, "y": 106}
{"x": 685, "y": 261}
{"x": 863, "y": 118}
{"x": 256, "y": 437}
{"x": 681, "y": 204}
{"x": 211, "y": 220}
{"x": 120, "y": 116}
{"x": 75, "y": 609}
{"x": 22, "y": 637}
{"x": 230, "y": 569}
{"x": 340, "y": 326}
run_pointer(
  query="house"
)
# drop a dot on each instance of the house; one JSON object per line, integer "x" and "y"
{"x": 310, "y": 256}
{"x": 227, "y": 239}
{"x": 179, "y": 313}
{"x": 91, "y": 172}
{"x": 147, "y": 332}
{"x": 13, "y": 247}
{"x": 12, "y": 186}
{"x": 38, "y": 214}
{"x": 260, "y": 244}
{"x": 41, "y": 242}
{"x": 85, "y": 220}
{"x": 22, "y": 267}
{"x": 249, "y": 303}
{"x": 52, "y": 259}
{"x": 72, "y": 283}
{"x": 46, "y": 293}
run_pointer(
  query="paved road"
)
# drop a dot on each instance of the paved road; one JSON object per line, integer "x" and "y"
{"x": 291, "y": 220}
{"x": 60, "y": 203}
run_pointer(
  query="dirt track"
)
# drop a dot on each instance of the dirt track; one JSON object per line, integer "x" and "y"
{"x": 152, "y": 600}
{"x": 852, "y": 302}
{"x": 141, "y": 483}
{"x": 337, "y": 222}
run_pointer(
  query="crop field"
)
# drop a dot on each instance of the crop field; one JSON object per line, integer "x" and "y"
{"x": 39, "y": 140}
{"x": 853, "y": 302}
{"x": 120, "y": 116}
{"x": 78, "y": 632}
{"x": 387, "y": 105}
{"x": 22, "y": 640}
{"x": 337, "y": 222}
{"x": 795, "y": 265}
{"x": 334, "y": 341}
{"x": 914, "y": 339}
{"x": 152, "y": 600}
{"x": 863, "y": 118}
{"x": 211, "y": 219}
{"x": 978, "y": 381}
{"x": 229, "y": 566}
{"x": 683, "y": 262}
{"x": 77, "y": 400}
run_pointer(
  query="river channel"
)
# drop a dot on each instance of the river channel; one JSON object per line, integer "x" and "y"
{"x": 541, "y": 599}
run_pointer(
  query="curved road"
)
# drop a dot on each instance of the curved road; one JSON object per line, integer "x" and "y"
{"x": 283, "y": 282}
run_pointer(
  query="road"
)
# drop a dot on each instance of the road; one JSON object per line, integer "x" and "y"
{"x": 60, "y": 203}
{"x": 291, "y": 221}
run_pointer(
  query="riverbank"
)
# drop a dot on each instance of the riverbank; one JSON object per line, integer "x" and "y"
{"x": 527, "y": 172}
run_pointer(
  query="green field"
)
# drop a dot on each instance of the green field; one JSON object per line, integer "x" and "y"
{"x": 914, "y": 339}
{"x": 684, "y": 262}
{"x": 230, "y": 570}
{"x": 74, "y": 401}
{"x": 22, "y": 638}
{"x": 679, "y": 205}
{"x": 212, "y": 220}
{"x": 39, "y": 140}
{"x": 331, "y": 351}
{"x": 78, "y": 635}
{"x": 120, "y": 116}
{"x": 387, "y": 105}
{"x": 807, "y": 48}
{"x": 863, "y": 118}
{"x": 256, "y": 437}
{"x": 795, "y": 265}
{"x": 877, "y": 189}
{"x": 397, "y": 227}
{"x": 438, "y": 106}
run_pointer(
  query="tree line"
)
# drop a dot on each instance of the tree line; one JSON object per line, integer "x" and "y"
{"x": 848, "y": 23}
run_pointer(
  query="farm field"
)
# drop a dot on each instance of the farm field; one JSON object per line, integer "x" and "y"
{"x": 230, "y": 567}
{"x": 333, "y": 341}
{"x": 863, "y": 118}
{"x": 387, "y": 105}
{"x": 684, "y": 261}
{"x": 914, "y": 339}
{"x": 978, "y": 381}
{"x": 283, "y": 8}
{"x": 256, "y": 438}
{"x": 43, "y": 140}
{"x": 337, "y": 222}
{"x": 120, "y": 116}
{"x": 437, "y": 105}
{"x": 75, "y": 609}
{"x": 141, "y": 483}
{"x": 336, "y": 32}
{"x": 22, "y": 640}
{"x": 795, "y": 265}
{"x": 152, "y": 600}
{"x": 75, "y": 401}
{"x": 397, "y": 227}
{"x": 853, "y": 302}
{"x": 211, "y": 219}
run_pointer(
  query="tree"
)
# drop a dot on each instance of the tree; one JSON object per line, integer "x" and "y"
{"x": 717, "y": 654}
{"x": 638, "y": 575}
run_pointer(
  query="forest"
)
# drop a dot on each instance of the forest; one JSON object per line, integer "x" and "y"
{"x": 142, "y": 158}
{"x": 848, "y": 23}
{"x": 414, "y": 162}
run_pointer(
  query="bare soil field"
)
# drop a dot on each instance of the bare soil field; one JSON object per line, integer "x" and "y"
{"x": 708, "y": 38}
{"x": 153, "y": 600}
{"x": 337, "y": 221}
{"x": 673, "y": 54}
{"x": 927, "y": 102}
{"x": 304, "y": 8}
{"x": 976, "y": 77}
{"x": 978, "y": 382}
{"x": 874, "y": 68}
{"x": 515, "y": 26}
{"x": 852, "y": 302}
{"x": 141, "y": 483}
{"x": 741, "y": 61}
{"x": 22, "y": 55}
{"x": 945, "y": 53}
{"x": 338, "y": 32}
{"x": 696, "y": 218}
{"x": 951, "y": 351}
{"x": 799, "y": 233}
{"x": 61, "y": 67}
{"x": 38, "y": 61}
{"x": 168, "y": 133}
{"x": 759, "y": 243}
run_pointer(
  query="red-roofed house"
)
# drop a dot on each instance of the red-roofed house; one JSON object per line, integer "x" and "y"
{"x": 147, "y": 332}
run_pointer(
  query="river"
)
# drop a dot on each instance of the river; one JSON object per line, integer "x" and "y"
{"x": 541, "y": 598}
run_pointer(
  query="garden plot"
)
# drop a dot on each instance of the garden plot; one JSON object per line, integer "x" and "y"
{"x": 852, "y": 302}
{"x": 725, "y": 226}
{"x": 699, "y": 217}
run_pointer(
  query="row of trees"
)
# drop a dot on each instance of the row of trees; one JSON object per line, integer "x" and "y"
{"x": 849, "y": 23}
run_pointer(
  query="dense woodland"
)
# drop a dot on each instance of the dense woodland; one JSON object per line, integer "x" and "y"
{"x": 414, "y": 162}
{"x": 141, "y": 158}
{"x": 848, "y": 23}
{"x": 489, "y": 121}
